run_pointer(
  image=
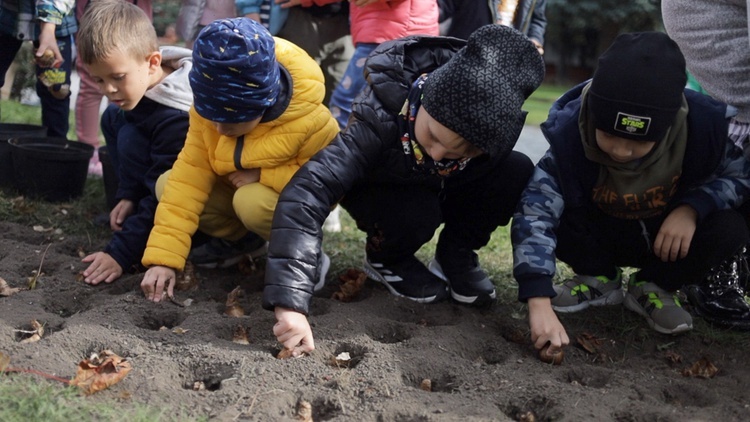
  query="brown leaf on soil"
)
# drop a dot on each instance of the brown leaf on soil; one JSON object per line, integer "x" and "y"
{"x": 247, "y": 266}
{"x": 234, "y": 309}
{"x": 703, "y": 368}
{"x": 35, "y": 334}
{"x": 426, "y": 384}
{"x": 4, "y": 362}
{"x": 352, "y": 283}
{"x": 6, "y": 290}
{"x": 304, "y": 411}
{"x": 672, "y": 357}
{"x": 239, "y": 335}
{"x": 100, "y": 371}
{"x": 589, "y": 342}
{"x": 22, "y": 206}
{"x": 186, "y": 279}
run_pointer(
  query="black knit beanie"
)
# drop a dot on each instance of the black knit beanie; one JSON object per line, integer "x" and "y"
{"x": 479, "y": 92}
{"x": 638, "y": 86}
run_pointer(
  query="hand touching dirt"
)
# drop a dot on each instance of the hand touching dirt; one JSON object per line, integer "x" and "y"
{"x": 293, "y": 331}
{"x": 545, "y": 327}
{"x": 155, "y": 280}
{"x": 675, "y": 234}
{"x": 119, "y": 213}
{"x": 241, "y": 178}
{"x": 103, "y": 268}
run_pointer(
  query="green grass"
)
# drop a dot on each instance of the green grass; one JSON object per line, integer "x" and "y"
{"x": 540, "y": 101}
{"x": 12, "y": 111}
{"x": 26, "y": 398}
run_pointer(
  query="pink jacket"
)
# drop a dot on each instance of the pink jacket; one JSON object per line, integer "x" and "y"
{"x": 387, "y": 20}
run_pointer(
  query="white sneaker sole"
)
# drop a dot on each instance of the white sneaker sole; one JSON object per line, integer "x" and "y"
{"x": 436, "y": 269}
{"x": 632, "y": 304}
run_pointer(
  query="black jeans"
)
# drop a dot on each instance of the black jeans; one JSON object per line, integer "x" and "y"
{"x": 399, "y": 219}
{"x": 596, "y": 244}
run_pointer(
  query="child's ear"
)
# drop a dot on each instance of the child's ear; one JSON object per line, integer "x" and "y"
{"x": 154, "y": 61}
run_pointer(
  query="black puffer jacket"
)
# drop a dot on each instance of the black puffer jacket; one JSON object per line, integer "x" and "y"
{"x": 369, "y": 152}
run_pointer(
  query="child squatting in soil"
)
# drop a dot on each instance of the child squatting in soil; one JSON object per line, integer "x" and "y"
{"x": 257, "y": 117}
{"x": 145, "y": 125}
{"x": 429, "y": 141}
{"x": 639, "y": 173}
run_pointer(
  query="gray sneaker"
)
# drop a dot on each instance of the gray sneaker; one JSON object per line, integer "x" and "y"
{"x": 582, "y": 291}
{"x": 661, "y": 309}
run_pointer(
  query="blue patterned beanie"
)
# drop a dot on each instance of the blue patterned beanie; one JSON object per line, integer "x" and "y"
{"x": 235, "y": 77}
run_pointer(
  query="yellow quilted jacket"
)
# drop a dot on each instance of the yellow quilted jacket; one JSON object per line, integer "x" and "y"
{"x": 278, "y": 147}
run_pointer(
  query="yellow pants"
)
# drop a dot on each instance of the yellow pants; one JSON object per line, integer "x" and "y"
{"x": 230, "y": 213}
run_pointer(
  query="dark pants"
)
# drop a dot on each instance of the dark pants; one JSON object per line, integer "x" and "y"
{"x": 54, "y": 111}
{"x": 596, "y": 244}
{"x": 399, "y": 219}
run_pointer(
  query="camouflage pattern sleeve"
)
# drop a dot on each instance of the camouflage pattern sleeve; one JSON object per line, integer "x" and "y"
{"x": 532, "y": 232}
{"x": 727, "y": 188}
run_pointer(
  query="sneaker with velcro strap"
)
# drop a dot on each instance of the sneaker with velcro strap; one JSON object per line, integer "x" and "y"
{"x": 469, "y": 283}
{"x": 582, "y": 291}
{"x": 662, "y": 309}
{"x": 222, "y": 253}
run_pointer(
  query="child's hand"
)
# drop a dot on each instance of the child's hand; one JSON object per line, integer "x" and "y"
{"x": 103, "y": 268}
{"x": 154, "y": 281}
{"x": 293, "y": 331}
{"x": 241, "y": 178}
{"x": 285, "y": 4}
{"x": 119, "y": 213}
{"x": 253, "y": 16}
{"x": 545, "y": 327}
{"x": 676, "y": 233}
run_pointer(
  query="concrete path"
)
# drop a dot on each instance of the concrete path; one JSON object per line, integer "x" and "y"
{"x": 532, "y": 142}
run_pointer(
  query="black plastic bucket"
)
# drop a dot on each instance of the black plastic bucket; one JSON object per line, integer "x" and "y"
{"x": 9, "y": 131}
{"x": 109, "y": 176}
{"x": 52, "y": 169}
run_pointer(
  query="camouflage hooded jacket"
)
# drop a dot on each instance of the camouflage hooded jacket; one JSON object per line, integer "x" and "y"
{"x": 715, "y": 176}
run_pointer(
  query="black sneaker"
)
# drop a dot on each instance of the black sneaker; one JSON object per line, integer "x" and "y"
{"x": 408, "y": 278}
{"x": 221, "y": 253}
{"x": 469, "y": 284}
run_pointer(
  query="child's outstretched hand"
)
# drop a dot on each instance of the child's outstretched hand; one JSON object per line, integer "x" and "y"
{"x": 119, "y": 213}
{"x": 241, "y": 178}
{"x": 676, "y": 233}
{"x": 155, "y": 280}
{"x": 545, "y": 327}
{"x": 293, "y": 331}
{"x": 103, "y": 268}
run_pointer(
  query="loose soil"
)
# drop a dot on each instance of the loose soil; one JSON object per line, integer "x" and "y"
{"x": 480, "y": 363}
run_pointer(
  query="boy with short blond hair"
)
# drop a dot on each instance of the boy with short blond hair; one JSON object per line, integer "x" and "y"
{"x": 144, "y": 126}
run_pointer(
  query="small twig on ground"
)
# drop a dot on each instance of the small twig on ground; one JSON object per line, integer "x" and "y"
{"x": 32, "y": 283}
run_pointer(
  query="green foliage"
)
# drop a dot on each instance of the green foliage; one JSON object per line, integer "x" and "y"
{"x": 14, "y": 112}
{"x": 23, "y": 398}
{"x": 540, "y": 101}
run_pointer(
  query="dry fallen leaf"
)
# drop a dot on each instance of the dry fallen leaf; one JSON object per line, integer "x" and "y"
{"x": 179, "y": 330}
{"x": 239, "y": 335}
{"x": 426, "y": 384}
{"x": 589, "y": 342}
{"x": 100, "y": 371}
{"x": 186, "y": 279}
{"x": 285, "y": 354}
{"x": 6, "y": 290}
{"x": 703, "y": 368}
{"x": 234, "y": 308}
{"x": 304, "y": 411}
{"x": 352, "y": 283}
{"x": 4, "y": 362}
{"x": 673, "y": 357}
{"x": 35, "y": 334}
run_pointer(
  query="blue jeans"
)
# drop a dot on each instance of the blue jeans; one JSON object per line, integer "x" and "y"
{"x": 351, "y": 84}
